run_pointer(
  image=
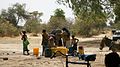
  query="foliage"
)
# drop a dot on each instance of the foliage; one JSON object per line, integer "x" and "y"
{"x": 87, "y": 28}
{"x": 91, "y": 15}
{"x": 15, "y": 13}
{"x": 116, "y": 26}
{"x": 44, "y": 26}
{"x": 103, "y": 8}
{"x": 59, "y": 13}
{"x": 116, "y": 9}
{"x": 11, "y": 18}
{"x": 58, "y": 20}
{"x": 85, "y": 8}
{"x": 33, "y": 24}
{"x": 56, "y": 23}
{"x": 7, "y": 29}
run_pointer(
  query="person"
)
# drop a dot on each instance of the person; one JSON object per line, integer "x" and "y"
{"x": 112, "y": 60}
{"x": 45, "y": 38}
{"x": 58, "y": 37}
{"x": 25, "y": 43}
{"x": 74, "y": 42}
{"x": 51, "y": 41}
{"x": 66, "y": 38}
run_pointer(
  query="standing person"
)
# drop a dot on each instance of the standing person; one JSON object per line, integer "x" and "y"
{"x": 51, "y": 41}
{"x": 25, "y": 43}
{"x": 58, "y": 37}
{"x": 45, "y": 38}
{"x": 74, "y": 42}
{"x": 66, "y": 38}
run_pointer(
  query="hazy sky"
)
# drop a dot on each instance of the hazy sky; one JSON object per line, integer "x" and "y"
{"x": 45, "y": 6}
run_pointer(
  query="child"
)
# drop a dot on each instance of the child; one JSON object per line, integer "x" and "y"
{"x": 74, "y": 42}
{"x": 45, "y": 38}
{"x": 25, "y": 43}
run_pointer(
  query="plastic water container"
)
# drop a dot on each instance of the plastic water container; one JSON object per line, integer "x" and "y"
{"x": 63, "y": 50}
{"x": 36, "y": 51}
{"x": 81, "y": 50}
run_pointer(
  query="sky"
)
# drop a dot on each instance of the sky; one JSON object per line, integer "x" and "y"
{"x": 47, "y": 7}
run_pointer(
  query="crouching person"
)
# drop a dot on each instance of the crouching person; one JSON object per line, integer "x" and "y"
{"x": 74, "y": 42}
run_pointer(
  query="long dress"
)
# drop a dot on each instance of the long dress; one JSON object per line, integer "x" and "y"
{"x": 25, "y": 43}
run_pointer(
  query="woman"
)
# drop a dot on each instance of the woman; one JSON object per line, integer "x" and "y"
{"x": 25, "y": 43}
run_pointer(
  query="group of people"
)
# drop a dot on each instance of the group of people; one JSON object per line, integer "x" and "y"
{"x": 58, "y": 38}
{"x": 54, "y": 39}
{"x": 62, "y": 38}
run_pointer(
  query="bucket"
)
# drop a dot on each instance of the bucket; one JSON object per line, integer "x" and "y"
{"x": 81, "y": 50}
{"x": 36, "y": 51}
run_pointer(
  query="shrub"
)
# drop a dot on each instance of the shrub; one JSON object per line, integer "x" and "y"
{"x": 7, "y": 29}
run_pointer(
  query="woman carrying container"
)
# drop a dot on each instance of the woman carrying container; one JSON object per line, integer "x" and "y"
{"x": 25, "y": 43}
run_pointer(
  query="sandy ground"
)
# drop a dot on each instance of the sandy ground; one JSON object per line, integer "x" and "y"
{"x": 12, "y": 49}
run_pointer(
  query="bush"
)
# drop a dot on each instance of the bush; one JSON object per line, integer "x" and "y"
{"x": 7, "y": 29}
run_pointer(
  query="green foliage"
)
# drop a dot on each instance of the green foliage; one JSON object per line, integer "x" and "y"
{"x": 116, "y": 10}
{"x": 58, "y": 20}
{"x": 59, "y": 13}
{"x": 15, "y": 13}
{"x": 20, "y": 12}
{"x": 87, "y": 28}
{"x": 116, "y": 26}
{"x": 44, "y": 26}
{"x": 8, "y": 29}
{"x": 36, "y": 15}
{"x": 57, "y": 23}
{"x": 85, "y": 7}
{"x": 90, "y": 15}
{"x": 33, "y": 24}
